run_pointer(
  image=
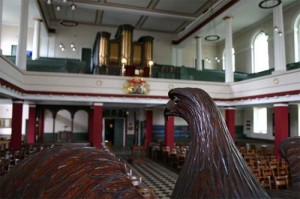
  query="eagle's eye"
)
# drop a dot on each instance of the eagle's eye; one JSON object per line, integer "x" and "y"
{"x": 175, "y": 99}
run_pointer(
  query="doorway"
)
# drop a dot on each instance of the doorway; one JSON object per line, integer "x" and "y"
{"x": 114, "y": 132}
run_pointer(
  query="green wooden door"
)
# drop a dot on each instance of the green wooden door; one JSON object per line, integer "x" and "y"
{"x": 118, "y": 132}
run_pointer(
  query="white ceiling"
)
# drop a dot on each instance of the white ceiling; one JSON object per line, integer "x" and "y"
{"x": 184, "y": 18}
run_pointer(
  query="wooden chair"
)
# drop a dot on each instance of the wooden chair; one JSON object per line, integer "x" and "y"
{"x": 173, "y": 157}
{"x": 274, "y": 166}
{"x": 166, "y": 153}
{"x": 265, "y": 182}
{"x": 261, "y": 164}
{"x": 281, "y": 181}
{"x": 268, "y": 172}
{"x": 250, "y": 152}
{"x": 282, "y": 171}
{"x": 256, "y": 173}
{"x": 251, "y": 162}
{"x": 181, "y": 158}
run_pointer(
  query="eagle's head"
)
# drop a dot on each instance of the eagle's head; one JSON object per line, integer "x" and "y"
{"x": 186, "y": 102}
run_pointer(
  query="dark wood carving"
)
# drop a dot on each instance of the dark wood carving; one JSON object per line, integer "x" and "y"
{"x": 290, "y": 151}
{"x": 214, "y": 167}
{"x": 68, "y": 172}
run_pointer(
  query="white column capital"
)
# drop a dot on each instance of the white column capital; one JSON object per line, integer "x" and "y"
{"x": 230, "y": 108}
{"x": 281, "y": 105}
{"x": 97, "y": 104}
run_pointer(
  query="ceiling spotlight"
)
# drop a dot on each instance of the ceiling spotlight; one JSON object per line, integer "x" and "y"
{"x": 279, "y": 33}
{"x": 64, "y": 1}
{"x": 62, "y": 48}
{"x": 74, "y": 49}
{"x": 58, "y": 8}
{"x": 72, "y": 45}
{"x": 49, "y": 2}
{"x": 60, "y": 45}
{"x": 73, "y": 7}
{"x": 276, "y": 29}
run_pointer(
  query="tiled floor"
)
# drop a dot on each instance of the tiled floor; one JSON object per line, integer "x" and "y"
{"x": 156, "y": 176}
{"x": 153, "y": 175}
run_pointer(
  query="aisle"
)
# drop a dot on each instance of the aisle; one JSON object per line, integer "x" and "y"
{"x": 161, "y": 179}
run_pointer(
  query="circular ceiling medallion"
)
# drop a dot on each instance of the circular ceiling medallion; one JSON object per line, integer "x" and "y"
{"x": 212, "y": 38}
{"x": 68, "y": 23}
{"x": 266, "y": 4}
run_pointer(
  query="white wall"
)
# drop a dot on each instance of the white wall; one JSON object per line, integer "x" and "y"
{"x": 48, "y": 121}
{"x": 248, "y": 119}
{"x": 5, "y": 112}
{"x": 10, "y": 37}
{"x": 80, "y": 122}
{"x": 63, "y": 121}
{"x": 63, "y": 118}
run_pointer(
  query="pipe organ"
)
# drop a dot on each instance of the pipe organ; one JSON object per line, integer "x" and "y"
{"x": 111, "y": 56}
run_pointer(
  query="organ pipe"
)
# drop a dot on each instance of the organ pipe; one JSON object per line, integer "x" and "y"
{"x": 104, "y": 48}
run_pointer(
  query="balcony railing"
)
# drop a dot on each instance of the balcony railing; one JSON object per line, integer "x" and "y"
{"x": 63, "y": 65}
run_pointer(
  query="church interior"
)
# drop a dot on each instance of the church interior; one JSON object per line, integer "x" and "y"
{"x": 149, "y": 98}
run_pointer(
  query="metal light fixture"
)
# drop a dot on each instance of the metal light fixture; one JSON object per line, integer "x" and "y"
{"x": 277, "y": 30}
{"x": 62, "y": 47}
{"x": 150, "y": 66}
{"x": 212, "y": 36}
{"x": 49, "y": 2}
{"x": 69, "y": 23}
{"x": 73, "y": 7}
{"x": 123, "y": 61}
{"x": 266, "y": 4}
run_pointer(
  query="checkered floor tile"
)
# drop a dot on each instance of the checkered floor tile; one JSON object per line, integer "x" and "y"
{"x": 161, "y": 179}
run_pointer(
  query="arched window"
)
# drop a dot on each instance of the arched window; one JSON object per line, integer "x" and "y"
{"x": 233, "y": 60}
{"x": 297, "y": 38}
{"x": 260, "y": 53}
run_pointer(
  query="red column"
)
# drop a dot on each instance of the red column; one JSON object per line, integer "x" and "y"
{"x": 97, "y": 125}
{"x": 230, "y": 121}
{"x": 169, "y": 131}
{"x": 281, "y": 125}
{"x": 149, "y": 124}
{"x": 31, "y": 125}
{"x": 16, "y": 125}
